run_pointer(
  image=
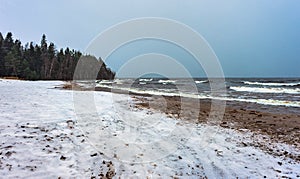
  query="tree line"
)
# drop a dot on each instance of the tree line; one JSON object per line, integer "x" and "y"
{"x": 42, "y": 61}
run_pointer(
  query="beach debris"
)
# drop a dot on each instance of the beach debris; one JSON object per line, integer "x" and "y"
{"x": 63, "y": 157}
{"x": 219, "y": 152}
{"x": 93, "y": 155}
{"x": 111, "y": 171}
{"x": 70, "y": 124}
{"x": 244, "y": 144}
{"x": 243, "y": 130}
{"x": 9, "y": 153}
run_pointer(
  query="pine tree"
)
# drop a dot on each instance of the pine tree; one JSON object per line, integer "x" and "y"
{"x": 2, "y": 70}
{"x": 8, "y": 42}
{"x": 43, "y": 62}
{"x": 12, "y": 60}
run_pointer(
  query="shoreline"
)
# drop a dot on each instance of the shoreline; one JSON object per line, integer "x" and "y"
{"x": 262, "y": 120}
{"x": 265, "y": 121}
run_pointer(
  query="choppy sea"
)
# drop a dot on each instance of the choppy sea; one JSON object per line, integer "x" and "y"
{"x": 265, "y": 91}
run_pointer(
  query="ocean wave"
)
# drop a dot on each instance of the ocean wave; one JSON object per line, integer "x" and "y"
{"x": 145, "y": 79}
{"x": 265, "y": 90}
{"x": 166, "y": 81}
{"x": 116, "y": 81}
{"x": 199, "y": 82}
{"x": 162, "y": 92}
{"x": 206, "y": 96}
{"x": 271, "y": 83}
{"x": 105, "y": 82}
{"x": 271, "y": 102}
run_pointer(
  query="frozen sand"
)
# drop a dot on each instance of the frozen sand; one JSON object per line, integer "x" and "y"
{"x": 39, "y": 140}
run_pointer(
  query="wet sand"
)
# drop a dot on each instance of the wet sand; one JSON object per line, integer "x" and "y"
{"x": 273, "y": 127}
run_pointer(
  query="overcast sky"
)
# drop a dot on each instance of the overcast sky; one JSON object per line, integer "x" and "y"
{"x": 252, "y": 38}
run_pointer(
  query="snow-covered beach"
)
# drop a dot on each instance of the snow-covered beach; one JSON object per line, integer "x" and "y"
{"x": 42, "y": 136}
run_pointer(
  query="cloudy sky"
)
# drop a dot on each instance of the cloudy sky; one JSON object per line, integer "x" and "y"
{"x": 251, "y": 38}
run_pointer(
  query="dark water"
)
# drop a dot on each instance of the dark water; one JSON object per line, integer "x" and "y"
{"x": 269, "y": 91}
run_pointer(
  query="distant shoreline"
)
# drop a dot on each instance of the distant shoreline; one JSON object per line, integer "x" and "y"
{"x": 10, "y": 78}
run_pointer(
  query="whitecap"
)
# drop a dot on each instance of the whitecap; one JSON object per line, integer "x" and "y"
{"x": 265, "y": 90}
{"x": 145, "y": 79}
{"x": 199, "y": 82}
{"x": 206, "y": 96}
{"x": 271, "y": 84}
{"x": 166, "y": 81}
